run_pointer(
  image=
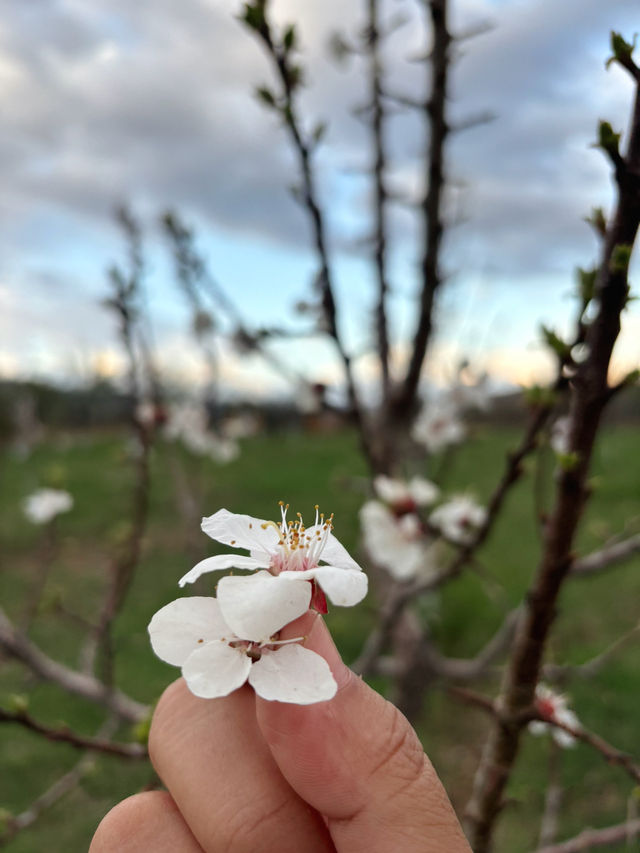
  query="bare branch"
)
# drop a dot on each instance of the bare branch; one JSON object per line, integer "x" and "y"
{"x": 508, "y": 719}
{"x": 66, "y": 735}
{"x": 380, "y": 193}
{"x": 589, "y": 398}
{"x": 553, "y": 798}
{"x": 562, "y": 673}
{"x": 607, "y": 557}
{"x": 431, "y": 206}
{"x": 78, "y": 683}
{"x": 400, "y": 594}
{"x": 472, "y": 121}
{"x": 590, "y": 838}
{"x": 60, "y": 788}
{"x": 289, "y": 75}
{"x": 475, "y": 31}
{"x": 611, "y": 754}
{"x": 468, "y": 669}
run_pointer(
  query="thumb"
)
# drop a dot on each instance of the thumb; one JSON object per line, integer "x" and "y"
{"x": 357, "y": 761}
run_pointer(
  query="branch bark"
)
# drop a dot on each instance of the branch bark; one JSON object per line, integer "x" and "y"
{"x": 431, "y": 206}
{"x": 78, "y": 683}
{"x": 289, "y": 78}
{"x": 590, "y": 394}
{"x": 610, "y": 555}
{"x": 75, "y": 739}
{"x": 380, "y": 193}
{"x": 591, "y": 838}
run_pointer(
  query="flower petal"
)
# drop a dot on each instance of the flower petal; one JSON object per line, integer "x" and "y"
{"x": 258, "y": 606}
{"x": 181, "y": 626}
{"x": 344, "y": 587}
{"x": 242, "y": 531}
{"x": 337, "y": 555}
{"x": 222, "y": 561}
{"x": 216, "y": 670}
{"x": 293, "y": 674}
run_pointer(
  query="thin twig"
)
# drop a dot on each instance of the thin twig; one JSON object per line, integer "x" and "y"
{"x": 607, "y": 557}
{"x": 78, "y": 683}
{"x": 380, "y": 193}
{"x": 60, "y": 788}
{"x": 66, "y": 735}
{"x": 289, "y": 76}
{"x": 553, "y": 797}
{"x": 564, "y": 672}
{"x": 508, "y": 719}
{"x": 589, "y": 398}
{"x": 434, "y": 113}
{"x": 400, "y": 594}
{"x": 590, "y": 838}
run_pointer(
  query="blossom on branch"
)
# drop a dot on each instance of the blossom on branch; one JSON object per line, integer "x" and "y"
{"x": 221, "y": 643}
{"x": 397, "y": 543}
{"x": 458, "y": 519}
{"x": 45, "y": 504}
{"x": 553, "y": 706}
{"x": 559, "y": 439}
{"x": 405, "y": 496}
{"x": 188, "y": 423}
{"x": 438, "y": 426}
{"x": 288, "y": 550}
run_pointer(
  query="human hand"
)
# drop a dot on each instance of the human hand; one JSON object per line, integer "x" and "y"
{"x": 245, "y": 775}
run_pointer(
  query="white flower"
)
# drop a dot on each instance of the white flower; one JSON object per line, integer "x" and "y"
{"x": 559, "y": 439}
{"x": 458, "y": 519}
{"x": 220, "y": 643}
{"x": 405, "y": 495}
{"x": 554, "y": 707}
{"x": 240, "y": 426}
{"x": 287, "y": 549}
{"x": 45, "y": 504}
{"x": 397, "y": 544}
{"x": 437, "y": 426}
{"x": 189, "y": 423}
{"x": 470, "y": 395}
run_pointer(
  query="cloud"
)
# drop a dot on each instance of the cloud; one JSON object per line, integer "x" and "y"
{"x": 151, "y": 101}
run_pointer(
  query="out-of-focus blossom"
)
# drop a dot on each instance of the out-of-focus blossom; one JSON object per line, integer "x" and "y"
{"x": 150, "y": 413}
{"x": 220, "y": 643}
{"x": 470, "y": 395}
{"x": 405, "y": 496}
{"x": 559, "y": 439}
{"x": 289, "y": 550}
{"x": 438, "y": 426}
{"x": 310, "y": 398}
{"x": 45, "y": 504}
{"x": 458, "y": 519}
{"x": 554, "y": 707}
{"x": 188, "y": 423}
{"x": 240, "y": 426}
{"x": 397, "y": 543}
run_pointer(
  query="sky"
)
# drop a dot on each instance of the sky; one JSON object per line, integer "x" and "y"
{"x": 151, "y": 104}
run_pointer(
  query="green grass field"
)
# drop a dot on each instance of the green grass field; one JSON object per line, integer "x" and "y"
{"x": 305, "y": 470}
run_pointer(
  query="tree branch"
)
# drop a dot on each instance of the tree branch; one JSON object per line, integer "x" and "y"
{"x": 380, "y": 194}
{"x": 431, "y": 205}
{"x": 468, "y": 669}
{"x": 562, "y": 673}
{"x": 590, "y": 838}
{"x": 589, "y": 397}
{"x": 78, "y": 683}
{"x": 610, "y": 555}
{"x": 289, "y": 75}
{"x": 66, "y": 735}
